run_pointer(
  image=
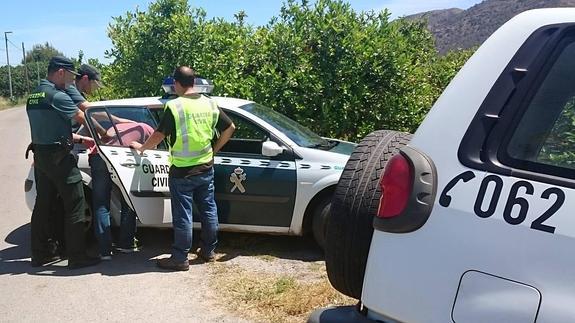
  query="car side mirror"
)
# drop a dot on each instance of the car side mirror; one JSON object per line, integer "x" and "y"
{"x": 271, "y": 149}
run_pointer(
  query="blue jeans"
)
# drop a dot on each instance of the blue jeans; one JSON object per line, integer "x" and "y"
{"x": 101, "y": 195}
{"x": 197, "y": 189}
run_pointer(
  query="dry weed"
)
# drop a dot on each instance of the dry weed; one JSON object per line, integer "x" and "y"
{"x": 274, "y": 297}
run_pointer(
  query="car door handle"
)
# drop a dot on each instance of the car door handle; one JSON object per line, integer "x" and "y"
{"x": 129, "y": 163}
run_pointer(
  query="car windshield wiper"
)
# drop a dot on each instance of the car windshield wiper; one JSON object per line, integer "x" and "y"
{"x": 325, "y": 145}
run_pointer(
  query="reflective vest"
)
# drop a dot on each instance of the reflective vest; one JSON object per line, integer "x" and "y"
{"x": 195, "y": 124}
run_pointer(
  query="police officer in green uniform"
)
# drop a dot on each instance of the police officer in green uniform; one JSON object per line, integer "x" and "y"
{"x": 50, "y": 111}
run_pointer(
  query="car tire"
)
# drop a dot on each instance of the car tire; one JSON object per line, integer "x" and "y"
{"x": 88, "y": 216}
{"x": 319, "y": 221}
{"x": 354, "y": 204}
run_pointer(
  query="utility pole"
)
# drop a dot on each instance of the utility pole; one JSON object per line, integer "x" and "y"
{"x": 8, "y": 61}
{"x": 25, "y": 69}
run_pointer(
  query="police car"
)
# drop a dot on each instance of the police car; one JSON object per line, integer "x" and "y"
{"x": 274, "y": 175}
{"x": 472, "y": 218}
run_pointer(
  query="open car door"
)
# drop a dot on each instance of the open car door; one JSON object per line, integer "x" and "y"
{"x": 142, "y": 179}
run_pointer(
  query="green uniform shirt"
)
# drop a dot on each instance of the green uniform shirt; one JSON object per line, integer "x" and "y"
{"x": 78, "y": 98}
{"x": 49, "y": 113}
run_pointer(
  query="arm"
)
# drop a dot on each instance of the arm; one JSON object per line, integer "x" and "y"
{"x": 115, "y": 120}
{"x": 80, "y": 139}
{"x": 83, "y": 105}
{"x": 154, "y": 140}
{"x": 79, "y": 116}
{"x": 224, "y": 137}
{"x": 121, "y": 120}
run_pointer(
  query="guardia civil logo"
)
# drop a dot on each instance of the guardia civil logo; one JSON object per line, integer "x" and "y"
{"x": 237, "y": 177}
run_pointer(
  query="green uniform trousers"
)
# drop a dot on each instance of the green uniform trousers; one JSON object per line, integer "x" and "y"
{"x": 57, "y": 174}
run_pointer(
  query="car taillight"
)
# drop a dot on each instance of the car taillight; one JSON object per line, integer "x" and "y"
{"x": 396, "y": 185}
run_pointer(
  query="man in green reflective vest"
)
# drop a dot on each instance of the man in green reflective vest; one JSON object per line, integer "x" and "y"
{"x": 190, "y": 122}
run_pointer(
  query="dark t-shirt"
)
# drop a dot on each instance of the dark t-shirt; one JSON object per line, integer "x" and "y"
{"x": 75, "y": 94}
{"x": 167, "y": 126}
{"x": 78, "y": 98}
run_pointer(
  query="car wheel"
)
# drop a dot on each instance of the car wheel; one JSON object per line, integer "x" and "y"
{"x": 319, "y": 222}
{"x": 355, "y": 202}
{"x": 88, "y": 215}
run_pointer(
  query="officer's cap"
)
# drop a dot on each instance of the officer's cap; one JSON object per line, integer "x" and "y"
{"x": 92, "y": 73}
{"x": 57, "y": 62}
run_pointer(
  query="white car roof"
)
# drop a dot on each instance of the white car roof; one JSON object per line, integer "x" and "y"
{"x": 224, "y": 102}
{"x": 230, "y": 104}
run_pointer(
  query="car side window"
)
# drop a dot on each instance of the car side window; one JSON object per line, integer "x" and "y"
{"x": 248, "y": 137}
{"x": 124, "y": 125}
{"x": 544, "y": 139}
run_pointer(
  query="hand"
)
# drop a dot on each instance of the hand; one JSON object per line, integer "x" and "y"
{"x": 138, "y": 146}
{"x": 88, "y": 142}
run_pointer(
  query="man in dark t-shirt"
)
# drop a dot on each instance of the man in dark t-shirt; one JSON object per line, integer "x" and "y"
{"x": 189, "y": 123}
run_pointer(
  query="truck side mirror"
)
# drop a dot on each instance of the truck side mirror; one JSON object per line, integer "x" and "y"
{"x": 271, "y": 149}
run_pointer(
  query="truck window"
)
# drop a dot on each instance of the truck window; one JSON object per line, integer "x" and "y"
{"x": 544, "y": 138}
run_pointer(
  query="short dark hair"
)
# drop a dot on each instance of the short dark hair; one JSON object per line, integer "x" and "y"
{"x": 185, "y": 76}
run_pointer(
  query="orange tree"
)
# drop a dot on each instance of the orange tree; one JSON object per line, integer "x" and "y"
{"x": 340, "y": 72}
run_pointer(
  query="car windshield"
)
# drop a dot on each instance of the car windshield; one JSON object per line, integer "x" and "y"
{"x": 293, "y": 130}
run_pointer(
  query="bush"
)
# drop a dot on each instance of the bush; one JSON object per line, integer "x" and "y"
{"x": 340, "y": 72}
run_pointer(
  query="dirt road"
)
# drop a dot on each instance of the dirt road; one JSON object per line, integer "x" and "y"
{"x": 129, "y": 288}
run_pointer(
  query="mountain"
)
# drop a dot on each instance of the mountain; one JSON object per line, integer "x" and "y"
{"x": 461, "y": 29}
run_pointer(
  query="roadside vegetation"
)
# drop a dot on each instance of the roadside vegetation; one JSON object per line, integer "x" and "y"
{"x": 340, "y": 72}
{"x": 272, "y": 278}
{"x": 275, "y": 297}
{"x": 7, "y": 103}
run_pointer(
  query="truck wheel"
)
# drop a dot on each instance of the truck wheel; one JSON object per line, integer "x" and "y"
{"x": 354, "y": 205}
{"x": 319, "y": 222}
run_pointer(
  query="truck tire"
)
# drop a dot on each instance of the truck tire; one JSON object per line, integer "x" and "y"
{"x": 354, "y": 204}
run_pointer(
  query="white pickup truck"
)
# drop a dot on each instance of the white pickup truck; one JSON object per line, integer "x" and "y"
{"x": 474, "y": 219}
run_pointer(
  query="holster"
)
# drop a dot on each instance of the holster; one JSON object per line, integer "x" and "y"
{"x": 29, "y": 149}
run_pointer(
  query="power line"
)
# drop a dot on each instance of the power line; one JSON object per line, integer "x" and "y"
{"x": 13, "y": 44}
{"x": 8, "y": 63}
{"x": 17, "y": 52}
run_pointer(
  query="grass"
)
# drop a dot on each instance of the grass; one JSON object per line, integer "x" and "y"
{"x": 5, "y": 103}
{"x": 276, "y": 297}
{"x": 268, "y": 258}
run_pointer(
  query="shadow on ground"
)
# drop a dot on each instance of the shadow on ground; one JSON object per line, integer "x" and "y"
{"x": 15, "y": 259}
{"x": 285, "y": 247}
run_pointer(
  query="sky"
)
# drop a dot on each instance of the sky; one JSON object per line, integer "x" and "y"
{"x": 71, "y": 26}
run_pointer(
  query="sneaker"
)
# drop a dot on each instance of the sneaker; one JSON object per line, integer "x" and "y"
{"x": 83, "y": 262}
{"x": 128, "y": 250}
{"x": 172, "y": 264}
{"x": 205, "y": 258}
{"x": 41, "y": 261}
